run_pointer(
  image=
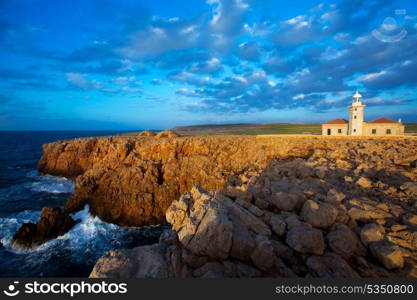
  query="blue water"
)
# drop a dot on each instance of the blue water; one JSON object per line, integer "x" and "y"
{"x": 23, "y": 193}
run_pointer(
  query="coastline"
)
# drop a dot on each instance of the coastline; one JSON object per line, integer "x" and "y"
{"x": 134, "y": 181}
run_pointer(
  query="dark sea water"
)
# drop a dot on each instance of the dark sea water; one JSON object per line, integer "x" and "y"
{"x": 23, "y": 193}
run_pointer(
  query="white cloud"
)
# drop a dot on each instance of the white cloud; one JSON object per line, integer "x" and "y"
{"x": 372, "y": 76}
{"x": 77, "y": 79}
{"x": 124, "y": 80}
{"x": 298, "y": 97}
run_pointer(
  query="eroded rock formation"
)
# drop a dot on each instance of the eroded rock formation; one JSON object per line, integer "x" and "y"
{"x": 133, "y": 180}
{"x": 280, "y": 207}
{"x": 215, "y": 236}
{"x": 52, "y": 223}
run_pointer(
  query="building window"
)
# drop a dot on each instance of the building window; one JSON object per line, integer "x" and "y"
{"x": 354, "y": 130}
{"x": 339, "y": 131}
{"x": 329, "y": 131}
{"x": 373, "y": 131}
{"x": 388, "y": 131}
{"x": 354, "y": 117}
{"x": 356, "y": 109}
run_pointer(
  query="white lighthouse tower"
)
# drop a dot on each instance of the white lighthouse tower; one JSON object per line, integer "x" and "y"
{"x": 356, "y": 115}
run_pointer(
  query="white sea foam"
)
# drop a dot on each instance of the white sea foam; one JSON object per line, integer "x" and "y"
{"x": 52, "y": 184}
{"x": 9, "y": 225}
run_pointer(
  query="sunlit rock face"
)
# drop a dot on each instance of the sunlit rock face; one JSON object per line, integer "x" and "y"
{"x": 133, "y": 180}
{"x": 243, "y": 206}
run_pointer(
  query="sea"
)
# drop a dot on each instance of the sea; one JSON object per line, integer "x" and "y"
{"x": 23, "y": 193}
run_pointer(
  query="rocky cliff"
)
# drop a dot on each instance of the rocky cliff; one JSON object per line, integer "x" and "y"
{"x": 133, "y": 180}
{"x": 349, "y": 212}
{"x": 277, "y": 206}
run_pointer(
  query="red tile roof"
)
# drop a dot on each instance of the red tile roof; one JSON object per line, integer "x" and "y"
{"x": 382, "y": 120}
{"x": 338, "y": 121}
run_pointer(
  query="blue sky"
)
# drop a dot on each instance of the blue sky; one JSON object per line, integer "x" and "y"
{"x": 107, "y": 64}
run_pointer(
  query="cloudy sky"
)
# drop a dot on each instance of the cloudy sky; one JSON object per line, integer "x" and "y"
{"x": 109, "y": 64}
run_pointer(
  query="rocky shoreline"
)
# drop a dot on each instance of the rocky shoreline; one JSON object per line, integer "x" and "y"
{"x": 243, "y": 206}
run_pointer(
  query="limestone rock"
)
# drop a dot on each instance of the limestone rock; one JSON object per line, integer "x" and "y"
{"x": 52, "y": 223}
{"x": 247, "y": 271}
{"x": 364, "y": 182}
{"x": 293, "y": 220}
{"x": 257, "y": 188}
{"x": 372, "y": 233}
{"x": 306, "y": 240}
{"x": 330, "y": 265}
{"x": 388, "y": 254}
{"x": 319, "y": 214}
{"x": 167, "y": 134}
{"x": 278, "y": 225}
{"x": 203, "y": 226}
{"x": 248, "y": 219}
{"x": 192, "y": 260}
{"x": 243, "y": 242}
{"x": 285, "y": 201}
{"x": 281, "y": 250}
{"x": 333, "y": 196}
{"x": 367, "y": 215}
{"x": 263, "y": 255}
{"x": 141, "y": 262}
{"x": 342, "y": 241}
{"x": 146, "y": 133}
{"x": 410, "y": 188}
{"x": 409, "y": 219}
{"x": 115, "y": 264}
{"x": 210, "y": 270}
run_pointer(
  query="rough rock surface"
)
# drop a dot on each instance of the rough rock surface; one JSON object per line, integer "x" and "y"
{"x": 52, "y": 223}
{"x": 319, "y": 214}
{"x": 132, "y": 180}
{"x": 146, "y": 133}
{"x": 254, "y": 214}
{"x": 306, "y": 240}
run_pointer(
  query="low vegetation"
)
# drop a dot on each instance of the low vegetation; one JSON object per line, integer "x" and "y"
{"x": 266, "y": 128}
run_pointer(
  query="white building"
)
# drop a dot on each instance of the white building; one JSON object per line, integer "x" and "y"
{"x": 357, "y": 126}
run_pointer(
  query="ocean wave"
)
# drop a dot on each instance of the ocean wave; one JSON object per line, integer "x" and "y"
{"x": 51, "y": 184}
{"x": 81, "y": 246}
{"x": 9, "y": 225}
{"x": 91, "y": 237}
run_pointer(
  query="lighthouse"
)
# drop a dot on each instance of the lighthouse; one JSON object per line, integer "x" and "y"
{"x": 356, "y": 111}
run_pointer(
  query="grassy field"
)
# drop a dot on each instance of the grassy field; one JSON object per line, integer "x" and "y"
{"x": 266, "y": 128}
{"x": 411, "y": 128}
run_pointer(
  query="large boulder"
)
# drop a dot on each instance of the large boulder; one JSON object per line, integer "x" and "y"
{"x": 167, "y": 134}
{"x": 152, "y": 261}
{"x": 388, "y": 254}
{"x": 410, "y": 220}
{"x": 285, "y": 201}
{"x": 243, "y": 241}
{"x": 410, "y": 188}
{"x": 306, "y": 240}
{"x": 263, "y": 257}
{"x": 372, "y": 232}
{"x": 330, "y": 265}
{"x": 52, "y": 223}
{"x": 319, "y": 214}
{"x": 115, "y": 264}
{"x": 203, "y": 225}
{"x": 364, "y": 182}
{"x": 278, "y": 225}
{"x": 342, "y": 240}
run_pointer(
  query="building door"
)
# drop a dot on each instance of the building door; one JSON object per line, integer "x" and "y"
{"x": 329, "y": 131}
